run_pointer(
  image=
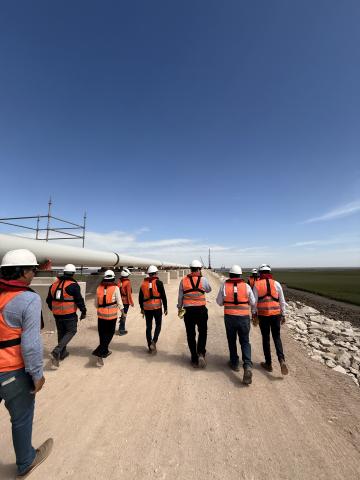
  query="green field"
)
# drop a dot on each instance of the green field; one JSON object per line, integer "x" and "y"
{"x": 339, "y": 284}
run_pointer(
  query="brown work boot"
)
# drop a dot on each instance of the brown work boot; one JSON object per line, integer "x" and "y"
{"x": 202, "y": 361}
{"x": 283, "y": 367}
{"x": 247, "y": 378}
{"x": 41, "y": 454}
{"x": 267, "y": 366}
{"x": 153, "y": 347}
{"x": 55, "y": 359}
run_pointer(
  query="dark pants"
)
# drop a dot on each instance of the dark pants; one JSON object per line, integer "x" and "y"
{"x": 266, "y": 324}
{"x": 20, "y": 404}
{"x": 123, "y": 318}
{"x": 196, "y": 317}
{"x": 237, "y": 325}
{"x": 66, "y": 329}
{"x": 106, "y": 329}
{"x": 149, "y": 316}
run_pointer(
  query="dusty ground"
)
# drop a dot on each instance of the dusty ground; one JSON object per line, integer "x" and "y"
{"x": 145, "y": 417}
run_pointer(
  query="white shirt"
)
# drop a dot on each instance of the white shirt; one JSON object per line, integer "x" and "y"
{"x": 221, "y": 295}
{"x": 281, "y": 296}
{"x": 116, "y": 297}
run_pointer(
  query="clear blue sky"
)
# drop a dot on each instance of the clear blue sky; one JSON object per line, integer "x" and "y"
{"x": 183, "y": 125}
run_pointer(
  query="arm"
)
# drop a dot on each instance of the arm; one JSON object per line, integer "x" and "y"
{"x": 220, "y": 296}
{"x": 206, "y": 285}
{"x": 129, "y": 294}
{"x": 31, "y": 344}
{"x": 281, "y": 298}
{"x": 118, "y": 299}
{"x": 49, "y": 299}
{"x": 141, "y": 299}
{"x": 180, "y": 295}
{"x": 252, "y": 300}
{"x": 74, "y": 291}
{"x": 161, "y": 289}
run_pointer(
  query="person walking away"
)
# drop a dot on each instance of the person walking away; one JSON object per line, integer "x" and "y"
{"x": 21, "y": 355}
{"x": 237, "y": 297}
{"x": 152, "y": 298}
{"x": 253, "y": 278}
{"x": 64, "y": 298}
{"x": 108, "y": 302}
{"x": 192, "y": 290}
{"x": 124, "y": 285}
{"x": 271, "y": 310}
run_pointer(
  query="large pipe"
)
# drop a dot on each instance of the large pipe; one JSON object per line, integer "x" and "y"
{"x": 61, "y": 254}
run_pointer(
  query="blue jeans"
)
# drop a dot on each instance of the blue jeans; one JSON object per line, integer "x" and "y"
{"x": 237, "y": 325}
{"x": 20, "y": 404}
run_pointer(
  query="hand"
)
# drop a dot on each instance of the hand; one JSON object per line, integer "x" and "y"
{"x": 282, "y": 319}
{"x": 82, "y": 316}
{"x": 255, "y": 320}
{"x": 142, "y": 312}
{"x": 165, "y": 312}
{"x": 38, "y": 384}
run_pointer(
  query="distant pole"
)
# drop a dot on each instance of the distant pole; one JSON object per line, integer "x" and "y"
{"x": 37, "y": 227}
{"x": 84, "y": 227}
{"x": 48, "y": 219}
{"x": 209, "y": 260}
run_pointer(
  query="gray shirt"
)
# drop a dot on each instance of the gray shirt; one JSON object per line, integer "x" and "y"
{"x": 205, "y": 286}
{"x": 24, "y": 311}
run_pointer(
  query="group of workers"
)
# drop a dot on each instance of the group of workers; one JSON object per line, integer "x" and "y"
{"x": 21, "y": 359}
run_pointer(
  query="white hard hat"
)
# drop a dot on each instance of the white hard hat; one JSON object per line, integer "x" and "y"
{"x": 19, "y": 258}
{"x": 124, "y": 272}
{"x": 264, "y": 268}
{"x": 109, "y": 275}
{"x": 195, "y": 264}
{"x": 236, "y": 269}
{"x": 69, "y": 268}
{"x": 254, "y": 270}
{"x": 152, "y": 269}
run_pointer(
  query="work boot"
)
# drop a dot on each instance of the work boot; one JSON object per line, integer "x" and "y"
{"x": 195, "y": 363}
{"x": 64, "y": 355}
{"x": 247, "y": 378}
{"x": 99, "y": 362}
{"x": 202, "y": 361}
{"x": 122, "y": 332}
{"x": 55, "y": 359}
{"x": 283, "y": 367}
{"x": 235, "y": 367}
{"x": 41, "y": 454}
{"x": 152, "y": 347}
{"x": 267, "y": 366}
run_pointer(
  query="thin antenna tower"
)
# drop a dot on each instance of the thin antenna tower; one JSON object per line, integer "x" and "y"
{"x": 209, "y": 260}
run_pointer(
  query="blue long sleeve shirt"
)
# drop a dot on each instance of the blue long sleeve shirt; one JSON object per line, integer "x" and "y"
{"x": 24, "y": 311}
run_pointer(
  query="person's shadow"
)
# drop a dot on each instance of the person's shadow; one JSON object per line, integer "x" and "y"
{"x": 7, "y": 471}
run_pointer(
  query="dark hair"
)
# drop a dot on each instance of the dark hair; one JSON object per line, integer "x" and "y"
{"x": 235, "y": 275}
{"x": 195, "y": 269}
{"x": 13, "y": 273}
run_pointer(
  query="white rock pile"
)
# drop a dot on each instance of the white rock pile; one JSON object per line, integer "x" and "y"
{"x": 334, "y": 343}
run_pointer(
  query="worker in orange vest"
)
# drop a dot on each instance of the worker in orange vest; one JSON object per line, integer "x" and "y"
{"x": 108, "y": 303}
{"x": 253, "y": 278}
{"x": 64, "y": 299}
{"x": 21, "y": 355}
{"x": 238, "y": 300}
{"x": 271, "y": 310}
{"x": 124, "y": 285}
{"x": 152, "y": 298}
{"x": 192, "y": 290}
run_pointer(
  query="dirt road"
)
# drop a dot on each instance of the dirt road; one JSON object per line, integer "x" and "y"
{"x": 155, "y": 417}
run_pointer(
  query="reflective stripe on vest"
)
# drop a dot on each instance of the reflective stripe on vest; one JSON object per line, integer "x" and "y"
{"x": 236, "y": 299}
{"x": 62, "y": 303}
{"x": 152, "y": 299}
{"x": 268, "y": 298}
{"x": 10, "y": 339}
{"x": 107, "y": 309}
{"x": 194, "y": 294}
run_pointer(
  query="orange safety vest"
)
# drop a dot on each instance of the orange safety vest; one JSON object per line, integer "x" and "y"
{"x": 252, "y": 281}
{"x": 62, "y": 303}
{"x": 106, "y": 309}
{"x": 122, "y": 284}
{"x": 268, "y": 298}
{"x": 194, "y": 294}
{"x": 10, "y": 339}
{"x": 236, "y": 299}
{"x": 152, "y": 299}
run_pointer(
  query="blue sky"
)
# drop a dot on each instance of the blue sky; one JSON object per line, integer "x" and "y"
{"x": 180, "y": 126}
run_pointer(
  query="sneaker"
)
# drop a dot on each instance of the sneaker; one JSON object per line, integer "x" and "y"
{"x": 247, "y": 378}
{"x": 55, "y": 359}
{"x": 236, "y": 367}
{"x": 65, "y": 355}
{"x": 267, "y": 366}
{"x": 202, "y": 361}
{"x": 122, "y": 332}
{"x": 283, "y": 367}
{"x": 41, "y": 454}
{"x": 99, "y": 362}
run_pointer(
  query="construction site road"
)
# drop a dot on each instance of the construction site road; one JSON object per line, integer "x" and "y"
{"x": 147, "y": 416}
